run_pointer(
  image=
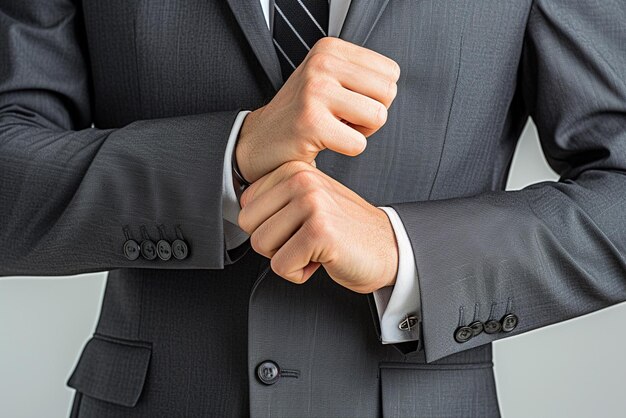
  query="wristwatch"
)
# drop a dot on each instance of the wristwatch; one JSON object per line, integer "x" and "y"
{"x": 240, "y": 183}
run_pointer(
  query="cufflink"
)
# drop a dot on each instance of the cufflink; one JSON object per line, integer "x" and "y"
{"x": 408, "y": 323}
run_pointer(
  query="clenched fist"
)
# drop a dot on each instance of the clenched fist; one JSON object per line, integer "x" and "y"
{"x": 301, "y": 219}
{"x": 336, "y": 98}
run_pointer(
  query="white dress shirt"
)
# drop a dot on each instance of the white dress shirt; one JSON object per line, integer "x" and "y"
{"x": 394, "y": 303}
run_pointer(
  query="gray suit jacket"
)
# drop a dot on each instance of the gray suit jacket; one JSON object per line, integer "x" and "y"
{"x": 114, "y": 116}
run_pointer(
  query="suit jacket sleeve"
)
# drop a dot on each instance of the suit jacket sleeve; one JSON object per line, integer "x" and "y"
{"x": 67, "y": 189}
{"x": 554, "y": 250}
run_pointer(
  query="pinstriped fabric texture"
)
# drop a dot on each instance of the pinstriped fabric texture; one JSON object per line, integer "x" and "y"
{"x": 298, "y": 25}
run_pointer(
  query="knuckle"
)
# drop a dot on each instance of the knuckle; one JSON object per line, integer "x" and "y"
{"x": 315, "y": 87}
{"x": 380, "y": 114}
{"x": 256, "y": 241}
{"x": 321, "y": 62}
{"x": 294, "y": 168}
{"x": 277, "y": 266}
{"x": 324, "y": 43}
{"x": 280, "y": 267}
{"x": 303, "y": 179}
{"x": 309, "y": 72}
{"x": 242, "y": 220}
{"x": 299, "y": 166}
{"x": 394, "y": 69}
{"x": 243, "y": 200}
{"x": 392, "y": 90}
{"x": 312, "y": 201}
{"x": 312, "y": 63}
{"x": 296, "y": 279}
{"x": 358, "y": 144}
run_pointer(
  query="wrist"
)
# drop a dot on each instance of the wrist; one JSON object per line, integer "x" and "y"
{"x": 241, "y": 156}
{"x": 390, "y": 271}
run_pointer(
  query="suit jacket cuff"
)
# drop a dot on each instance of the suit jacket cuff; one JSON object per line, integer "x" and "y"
{"x": 233, "y": 235}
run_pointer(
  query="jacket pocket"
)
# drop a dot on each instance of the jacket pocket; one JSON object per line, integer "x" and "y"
{"x": 446, "y": 390}
{"x": 112, "y": 370}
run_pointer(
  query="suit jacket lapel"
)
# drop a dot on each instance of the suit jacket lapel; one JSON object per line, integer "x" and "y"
{"x": 361, "y": 19}
{"x": 250, "y": 17}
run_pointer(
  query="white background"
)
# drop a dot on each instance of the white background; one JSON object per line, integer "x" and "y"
{"x": 570, "y": 370}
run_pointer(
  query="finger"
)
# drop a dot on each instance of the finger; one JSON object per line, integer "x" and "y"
{"x": 357, "y": 109}
{"x": 251, "y": 191}
{"x": 268, "y": 181}
{"x": 367, "y": 132}
{"x": 342, "y": 138}
{"x": 293, "y": 260}
{"x": 367, "y": 82}
{"x": 262, "y": 208}
{"x": 358, "y": 55}
{"x": 263, "y": 205}
{"x": 272, "y": 234}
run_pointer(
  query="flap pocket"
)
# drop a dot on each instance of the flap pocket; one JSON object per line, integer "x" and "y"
{"x": 112, "y": 370}
{"x": 447, "y": 390}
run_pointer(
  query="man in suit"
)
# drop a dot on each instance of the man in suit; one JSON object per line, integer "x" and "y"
{"x": 370, "y": 172}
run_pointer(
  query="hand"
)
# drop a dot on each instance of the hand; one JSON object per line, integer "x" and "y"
{"x": 336, "y": 98}
{"x": 301, "y": 219}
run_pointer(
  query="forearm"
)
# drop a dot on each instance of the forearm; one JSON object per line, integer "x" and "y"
{"x": 546, "y": 254}
{"x": 67, "y": 196}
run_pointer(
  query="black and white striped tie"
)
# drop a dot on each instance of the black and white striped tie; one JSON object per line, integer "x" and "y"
{"x": 298, "y": 25}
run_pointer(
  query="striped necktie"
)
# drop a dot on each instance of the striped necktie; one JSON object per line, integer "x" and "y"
{"x": 298, "y": 25}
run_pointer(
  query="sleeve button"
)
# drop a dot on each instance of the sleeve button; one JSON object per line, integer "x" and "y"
{"x": 463, "y": 334}
{"x": 148, "y": 250}
{"x": 164, "y": 250}
{"x": 492, "y": 326}
{"x": 477, "y": 328}
{"x": 131, "y": 249}
{"x": 509, "y": 322}
{"x": 180, "y": 249}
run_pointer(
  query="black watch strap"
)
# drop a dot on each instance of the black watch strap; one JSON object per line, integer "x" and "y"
{"x": 240, "y": 183}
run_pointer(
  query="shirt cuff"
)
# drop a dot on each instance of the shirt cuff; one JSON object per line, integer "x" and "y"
{"x": 233, "y": 235}
{"x": 399, "y": 306}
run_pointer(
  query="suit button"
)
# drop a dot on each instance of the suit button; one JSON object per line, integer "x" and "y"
{"x": 148, "y": 249}
{"x": 268, "y": 372}
{"x": 509, "y": 322}
{"x": 164, "y": 250}
{"x": 477, "y": 328}
{"x": 492, "y": 326}
{"x": 180, "y": 249}
{"x": 463, "y": 334}
{"x": 131, "y": 249}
